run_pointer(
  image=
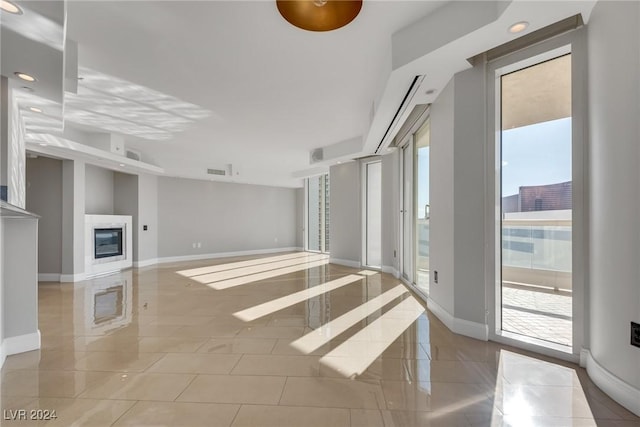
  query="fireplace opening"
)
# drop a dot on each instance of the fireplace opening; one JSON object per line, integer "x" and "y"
{"x": 107, "y": 242}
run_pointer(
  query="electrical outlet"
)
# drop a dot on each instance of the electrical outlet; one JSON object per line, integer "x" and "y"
{"x": 635, "y": 334}
{"x": 394, "y": 253}
{"x": 435, "y": 276}
{"x": 193, "y": 245}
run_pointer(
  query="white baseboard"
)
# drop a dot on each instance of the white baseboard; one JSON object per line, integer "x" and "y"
{"x": 345, "y": 262}
{"x": 442, "y": 314}
{"x": 199, "y": 257}
{"x": 391, "y": 270}
{"x": 68, "y": 278}
{"x": 584, "y": 357}
{"x": 145, "y": 263}
{"x": 49, "y": 277}
{"x": 479, "y": 331}
{"x": 620, "y": 391}
{"x": 21, "y": 343}
{"x": 467, "y": 328}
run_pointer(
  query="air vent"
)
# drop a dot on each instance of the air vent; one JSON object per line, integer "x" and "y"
{"x": 133, "y": 155}
{"x": 317, "y": 155}
{"x": 216, "y": 172}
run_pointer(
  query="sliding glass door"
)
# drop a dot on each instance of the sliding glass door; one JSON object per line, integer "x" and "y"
{"x": 406, "y": 213}
{"x": 318, "y": 213}
{"x": 422, "y": 207}
{"x": 536, "y": 200}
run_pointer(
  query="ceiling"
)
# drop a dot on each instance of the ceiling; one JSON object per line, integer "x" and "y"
{"x": 208, "y": 84}
{"x": 274, "y": 91}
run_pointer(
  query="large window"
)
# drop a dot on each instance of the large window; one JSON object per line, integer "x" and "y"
{"x": 318, "y": 213}
{"x": 536, "y": 198}
{"x": 373, "y": 214}
{"x": 415, "y": 206}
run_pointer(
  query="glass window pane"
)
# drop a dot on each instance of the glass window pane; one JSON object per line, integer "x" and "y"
{"x": 536, "y": 187}
{"x": 423, "y": 207}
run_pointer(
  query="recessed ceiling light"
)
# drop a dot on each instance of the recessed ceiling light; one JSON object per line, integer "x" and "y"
{"x": 24, "y": 76}
{"x": 518, "y": 27}
{"x": 35, "y": 109}
{"x": 121, "y": 165}
{"x": 10, "y": 7}
{"x": 43, "y": 144}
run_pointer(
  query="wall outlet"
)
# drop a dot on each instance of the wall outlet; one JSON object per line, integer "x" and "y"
{"x": 193, "y": 245}
{"x": 394, "y": 253}
{"x": 199, "y": 245}
{"x": 145, "y": 228}
{"x": 435, "y": 276}
{"x": 635, "y": 334}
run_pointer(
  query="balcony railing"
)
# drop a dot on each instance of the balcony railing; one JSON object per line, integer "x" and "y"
{"x": 536, "y": 248}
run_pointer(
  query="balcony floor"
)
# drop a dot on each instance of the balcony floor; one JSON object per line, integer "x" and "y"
{"x": 539, "y": 314}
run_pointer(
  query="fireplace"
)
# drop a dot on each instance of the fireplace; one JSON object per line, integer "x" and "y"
{"x": 107, "y": 242}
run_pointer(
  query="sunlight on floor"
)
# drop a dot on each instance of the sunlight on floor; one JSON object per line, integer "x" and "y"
{"x": 534, "y": 392}
{"x": 239, "y": 264}
{"x": 243, "y": 280}
{"x": 261, "y": 310}
{"x": 325, "y": 333}
{"x": 261, "y": 268}
{"x": 355, "y": 355}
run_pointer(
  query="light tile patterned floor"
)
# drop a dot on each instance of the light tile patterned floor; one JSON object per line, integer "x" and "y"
{"x": 172, "y": 345}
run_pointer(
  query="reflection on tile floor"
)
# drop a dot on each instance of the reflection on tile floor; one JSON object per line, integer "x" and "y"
{"x": 282, "y": 340}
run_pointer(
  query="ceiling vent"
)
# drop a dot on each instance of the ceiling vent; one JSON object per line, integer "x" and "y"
{"x": 222, "y": 172}
{"x": 133, "y": 155}
{"x": 317, "y": 155}
{"x": 401, "y": 114}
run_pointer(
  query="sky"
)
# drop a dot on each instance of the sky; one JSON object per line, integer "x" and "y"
{"x": 537, "y": 154}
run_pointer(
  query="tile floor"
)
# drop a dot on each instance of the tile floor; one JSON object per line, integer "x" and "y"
{"x": 282, "y": 340}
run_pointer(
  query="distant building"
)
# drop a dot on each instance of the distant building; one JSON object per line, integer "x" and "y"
{"x": 539, "y": 198}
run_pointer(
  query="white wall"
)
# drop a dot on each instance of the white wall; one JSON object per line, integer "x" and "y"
{"x": 614, "y": 102}
{"x": 44, "y": 198}
{"x": 73, "y": 205}
{"x": 223, "y": 217}
{"x": 99, "y": 191}
{"x": 468, "y": 192}
{"x": 125, "y": 202}
{"x": 390, "y": 210}
{"x": 147, "y": 241}
{"x": 441, "y": 245}
{"x": 345, "y": 218}
{"x": 300, "y": 217}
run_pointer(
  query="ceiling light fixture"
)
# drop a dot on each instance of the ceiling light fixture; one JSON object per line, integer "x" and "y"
{"x": 518, "y": 27}
{"x": 319, "y": 15}
{"x": 35, "y": 109}
{"x": 43, "y": 145}
{"x": 10, "y": 7}
{"x": 121, "y": 165}
{"x": 24, "y": 76}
